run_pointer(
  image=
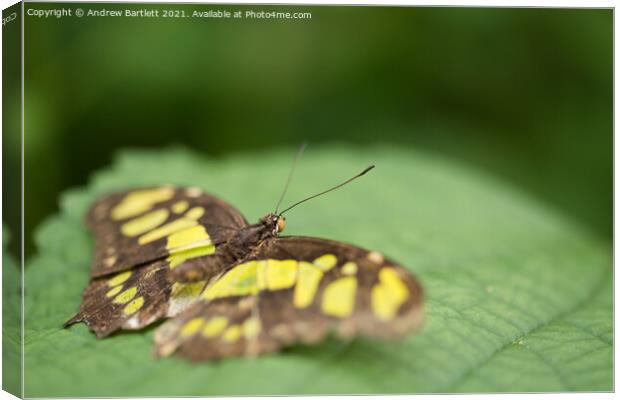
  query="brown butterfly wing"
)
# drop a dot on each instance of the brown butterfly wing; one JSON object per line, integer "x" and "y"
{"x": 295, "y": 289}
{"x": 140, "y": 235}
{"x": 142, "y": 225}
{"x": 133, "y": 299}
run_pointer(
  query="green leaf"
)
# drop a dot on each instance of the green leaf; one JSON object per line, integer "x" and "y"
{"x": 11, "y": 321}
{"x": 518, "y": 298}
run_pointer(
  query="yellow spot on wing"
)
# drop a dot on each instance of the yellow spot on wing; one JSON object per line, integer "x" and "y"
{"x": 251, "y": 328}
{"x": 119, "y": 278}
{"x": 261, "y": 274}
{"x": 179, "y": 230}
{"x": 193, "y": 192}
{"x": 182, "y": 295}
{"x": 307, "y": 284}
{"x": 145, "y": 223}
{"x": 239, "y": 281}
{"x": 180, "y": 206}
{"x": 349, "y": 268}
{"x": 339, "y": 297}
{"x": 232, "y": 334}
{"x": 110, "y": 261}
{"x": 389, "y": 294}
{"x": 187, "y": 237}
{"x": 191, "y": 327}
{"x": 167, "y": 229}
{"x": 114, "y": 291}
{"x": 140, "y": 201}
{"x": 281, "y": 274}
{"x": 326, "y": 262}
{"x": 214, "y": 327}
{"x": 179, "y": 258}
{"x": 134, "y": 306}
{"x": 375, "y": 257}
{"x": 195, "y": 213}
{"x": 190, "y": 290}
{"x": 125, "y": 296}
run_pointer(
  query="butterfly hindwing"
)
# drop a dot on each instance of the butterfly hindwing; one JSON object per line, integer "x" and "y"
{"x": 135, "y": 298}
{"x": 143, "y": 225}
{"x": 222, "y": 328}
{"x": 295, "y": 289}
{"x": 127, "y": 299}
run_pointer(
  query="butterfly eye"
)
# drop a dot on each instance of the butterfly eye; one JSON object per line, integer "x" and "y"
{"x": 281, "y": 224}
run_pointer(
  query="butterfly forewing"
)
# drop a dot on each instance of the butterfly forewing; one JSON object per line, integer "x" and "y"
{"x": 143, "y": 225}
{"x": 140, "y": 235}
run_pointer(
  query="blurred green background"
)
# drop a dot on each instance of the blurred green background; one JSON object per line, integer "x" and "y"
{"x": 525, "y": 94}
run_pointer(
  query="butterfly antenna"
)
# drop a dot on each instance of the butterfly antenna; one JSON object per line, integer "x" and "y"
{"x": 330, "y": 189}
{"x": 290, "y": 175}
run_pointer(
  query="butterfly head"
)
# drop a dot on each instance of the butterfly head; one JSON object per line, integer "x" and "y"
{"x": 275, "y": 223}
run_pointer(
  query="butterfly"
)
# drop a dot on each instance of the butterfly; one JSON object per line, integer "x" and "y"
{"x": 229, "y": 288}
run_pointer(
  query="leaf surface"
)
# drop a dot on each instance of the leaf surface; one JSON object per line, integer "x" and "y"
{"x": 11, "y": 321}
{"x": 518, "y": 298}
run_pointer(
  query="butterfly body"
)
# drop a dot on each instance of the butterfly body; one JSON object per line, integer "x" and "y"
{"x": 229, "y": 288}
{"x": 237, "y": 248}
